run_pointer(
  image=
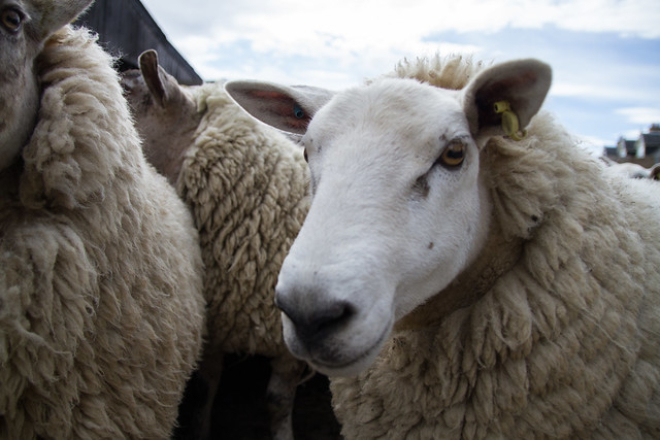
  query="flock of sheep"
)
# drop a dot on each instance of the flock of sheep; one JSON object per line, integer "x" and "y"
{"x": 430, "y": 240}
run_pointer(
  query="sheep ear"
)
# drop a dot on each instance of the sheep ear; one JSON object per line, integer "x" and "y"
{"x": 55, "y": 17}
{"x": 503, "y": 99}
{"x": 655, "y": 172}
{"x": 289, "y": 109}
{"x": 152, "y": 75}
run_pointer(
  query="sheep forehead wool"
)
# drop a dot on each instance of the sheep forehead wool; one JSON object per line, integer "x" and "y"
{"x": 101, "y": 312}
{"x": 451, "y": 72}
{"x": 562, "y": 344}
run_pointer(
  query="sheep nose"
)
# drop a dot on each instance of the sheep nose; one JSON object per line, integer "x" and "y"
{"x": 313, "y": 324}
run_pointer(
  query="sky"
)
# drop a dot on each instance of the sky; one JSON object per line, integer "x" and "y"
{"x": 605, "y": 54}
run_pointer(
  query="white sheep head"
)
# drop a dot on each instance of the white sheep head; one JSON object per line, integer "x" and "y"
{"x": 25, "y": 25}
{"x": 399, "y": 208}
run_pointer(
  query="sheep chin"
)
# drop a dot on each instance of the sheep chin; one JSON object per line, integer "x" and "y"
{"x": 337, "y": 365}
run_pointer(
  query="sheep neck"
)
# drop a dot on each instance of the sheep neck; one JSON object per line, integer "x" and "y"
{"x": 499, "y": 255}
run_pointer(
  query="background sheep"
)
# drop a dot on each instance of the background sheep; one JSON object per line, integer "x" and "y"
{"x": 467, "y": 285}
{"x": 632, "y": 170}
{"x": 101, "y": 312}
{"x": 246, "y": 186}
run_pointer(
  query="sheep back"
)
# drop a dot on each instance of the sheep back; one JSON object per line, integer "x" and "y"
{"x": 246, "y": 185}
{"x": 101, "y": 312}
{"x": 563, "y": 343}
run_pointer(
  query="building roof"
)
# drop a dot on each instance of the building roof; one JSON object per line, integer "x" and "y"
{"x": 630, "y": 146}
{"x": 126, "y": 29}
{"x": 611, "y": 151}
{"x": 651, "y": 141}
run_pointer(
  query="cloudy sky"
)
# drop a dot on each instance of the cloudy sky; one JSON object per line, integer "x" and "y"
{"x": 605, "y": 54}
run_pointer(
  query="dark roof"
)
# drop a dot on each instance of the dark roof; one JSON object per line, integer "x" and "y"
{"x": 126, "y": 30}
{"x": 631, "y": 145}
{"x": 652, "y": 142}
{"x": 652, "y": 139}
{"x": 611, "y": 151}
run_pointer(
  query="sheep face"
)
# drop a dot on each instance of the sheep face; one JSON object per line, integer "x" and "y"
{"x": 24, "y": 27}
{"x": 399, "y": 207}
{"x": 396, "y": 195}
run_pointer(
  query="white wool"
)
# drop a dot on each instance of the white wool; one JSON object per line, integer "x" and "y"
{"x": 246, "y": 186}
{"x": 101, "y": 312}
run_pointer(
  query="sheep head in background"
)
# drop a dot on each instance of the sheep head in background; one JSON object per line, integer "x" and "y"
{"x": 655, "y": 172}
{"x": 399, "y": 208}
{"x": 24, "y": 27}
{"x": 632, "y": 170}
{"x": 165, "y": 112}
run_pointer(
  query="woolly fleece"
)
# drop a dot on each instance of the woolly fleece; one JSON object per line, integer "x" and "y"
{"x": 101, "y": 312}
{"x": 557, "y": 338}
{"x": 246, "y": 185}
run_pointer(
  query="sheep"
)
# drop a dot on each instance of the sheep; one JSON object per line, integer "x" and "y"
{"x": 247, "y": 188}
{"x": 101, "y": 307}
{"x": 460, "y": 277}
{"x": 632, "y": 170}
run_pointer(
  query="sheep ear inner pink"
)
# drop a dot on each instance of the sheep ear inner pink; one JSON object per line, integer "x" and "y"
{"x": 289, "y": 109}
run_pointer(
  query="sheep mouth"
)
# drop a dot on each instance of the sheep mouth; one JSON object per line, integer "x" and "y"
{"x": 334, "y": 364}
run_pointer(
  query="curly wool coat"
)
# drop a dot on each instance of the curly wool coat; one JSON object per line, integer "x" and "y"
{"x": 101, "y": 311}
{"x": 247, "y": 189}
{"x": 554, "y": 332}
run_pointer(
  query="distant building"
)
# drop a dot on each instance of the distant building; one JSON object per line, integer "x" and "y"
{"x": 126, "y": 29}
{"x": 645, "y": 150}
{"x": 625, "y": 148}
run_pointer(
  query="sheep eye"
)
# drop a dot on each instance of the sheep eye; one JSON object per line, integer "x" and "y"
{"x": 305, "y": 155}
{"x": 454, "y": 155}
{"x": 11, "y": 20}
{"x": 298, "y": 112}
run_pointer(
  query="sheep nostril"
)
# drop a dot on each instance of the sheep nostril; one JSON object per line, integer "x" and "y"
{"x": 331, "y": 317}
{"x": 312, "y": 325}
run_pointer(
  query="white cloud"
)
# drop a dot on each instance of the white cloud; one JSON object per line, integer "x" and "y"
{"x": 632, "y": 134}
{"x": 603, "y": 88}
{"x": 292, "y": 21}
{"x": 641, "y": 115}
{"x": 337, "y": 44}
{"x": 567, "y": 89}
{"x": 346, "y": 32}
{"x": 592, "y": 144}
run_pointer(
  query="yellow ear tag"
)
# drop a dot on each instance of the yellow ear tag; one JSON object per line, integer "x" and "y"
{"x": 510, "y": 123}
